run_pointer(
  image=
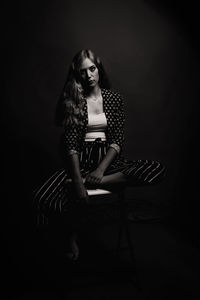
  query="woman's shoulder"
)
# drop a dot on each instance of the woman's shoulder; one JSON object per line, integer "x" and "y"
{"x": 111, "y": 93}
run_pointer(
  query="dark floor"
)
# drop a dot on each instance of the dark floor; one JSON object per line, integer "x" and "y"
{"x": 167, "y": 258}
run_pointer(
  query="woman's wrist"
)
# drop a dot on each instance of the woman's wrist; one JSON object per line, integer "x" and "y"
{"x": 101, "y": 168}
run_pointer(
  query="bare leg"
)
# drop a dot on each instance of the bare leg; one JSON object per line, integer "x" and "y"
{"x": 112, "y": 181}
{"x": 74, "y": 249}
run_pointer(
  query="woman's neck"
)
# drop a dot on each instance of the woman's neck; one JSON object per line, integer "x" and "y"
{"x": 94, "y": 93}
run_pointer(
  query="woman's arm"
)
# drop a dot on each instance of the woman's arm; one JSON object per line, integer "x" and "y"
{"x": 117, "y": 137}
{"x": 96, "y": 176}
{"x": 75, "y": 174}
{"x": 71, "y": 159}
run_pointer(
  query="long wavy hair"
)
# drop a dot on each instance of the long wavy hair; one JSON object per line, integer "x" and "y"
{"x": 69, "y": 109}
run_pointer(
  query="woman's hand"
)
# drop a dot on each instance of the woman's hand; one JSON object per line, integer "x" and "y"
{"x": 94, "y": 178}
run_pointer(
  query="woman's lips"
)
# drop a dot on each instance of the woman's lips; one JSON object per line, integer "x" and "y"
{"x": 90, "y": 81}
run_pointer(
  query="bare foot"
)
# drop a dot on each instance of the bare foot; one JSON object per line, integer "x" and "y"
{"x": 74, "y": 253}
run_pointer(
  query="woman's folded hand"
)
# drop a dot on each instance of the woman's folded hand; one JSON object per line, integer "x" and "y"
{"x": 94, "y": 178}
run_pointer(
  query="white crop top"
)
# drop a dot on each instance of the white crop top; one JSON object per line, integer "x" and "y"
{"x": 96, "y": 127}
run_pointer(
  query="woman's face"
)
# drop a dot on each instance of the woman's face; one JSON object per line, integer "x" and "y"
{"x": 89, "y": 73}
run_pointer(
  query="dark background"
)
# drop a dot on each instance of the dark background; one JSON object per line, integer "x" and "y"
{"x": 150, "y": 52}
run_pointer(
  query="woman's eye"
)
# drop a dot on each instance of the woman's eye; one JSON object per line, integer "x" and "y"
{"x": 92, "y": 69}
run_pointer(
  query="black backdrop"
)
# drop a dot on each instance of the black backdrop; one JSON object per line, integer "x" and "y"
{"x": 150, "y": 51}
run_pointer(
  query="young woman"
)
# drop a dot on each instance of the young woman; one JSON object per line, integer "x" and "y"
{"x": 92, "y": 116}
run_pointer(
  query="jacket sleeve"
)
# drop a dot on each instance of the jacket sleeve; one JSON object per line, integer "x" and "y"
{"x": 119, "y": 120}
{"x": 71, "y": 139}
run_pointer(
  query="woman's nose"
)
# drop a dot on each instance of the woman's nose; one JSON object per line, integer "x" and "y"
{"x": 88, "y": 74}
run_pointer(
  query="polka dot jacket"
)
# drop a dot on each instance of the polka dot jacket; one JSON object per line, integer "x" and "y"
{"x": 113, "y": 107}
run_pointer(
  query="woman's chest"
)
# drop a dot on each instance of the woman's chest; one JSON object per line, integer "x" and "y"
{"x": 95, "y": 107}
{"x": 103, "y": 106}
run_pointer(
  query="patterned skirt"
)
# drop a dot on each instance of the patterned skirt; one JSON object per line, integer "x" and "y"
{"x": 54, "y": 196}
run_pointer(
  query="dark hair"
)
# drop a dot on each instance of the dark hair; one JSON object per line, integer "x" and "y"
{"x": 69, "y": 109}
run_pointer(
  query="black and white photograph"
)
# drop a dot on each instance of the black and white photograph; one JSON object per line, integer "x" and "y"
{"x": 100, "y": 119}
